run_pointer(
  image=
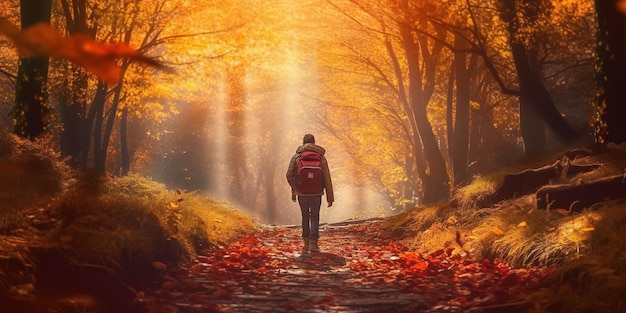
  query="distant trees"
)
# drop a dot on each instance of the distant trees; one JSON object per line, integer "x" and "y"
{"x": 424, "y": 95}
{"x": 442, "y": 64}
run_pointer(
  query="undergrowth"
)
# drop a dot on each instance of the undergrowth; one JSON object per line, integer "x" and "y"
{"x": 30, "y": 174}
{"x": 125, "y": 223}
{"x": 587, "y": 248}
{"x": 132, "y": 221}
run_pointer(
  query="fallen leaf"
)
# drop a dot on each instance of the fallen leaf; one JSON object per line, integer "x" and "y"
{"x": 497, "y": 231}
{"x": 41, "y": 40}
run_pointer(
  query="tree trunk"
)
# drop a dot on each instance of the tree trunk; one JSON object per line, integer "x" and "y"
{"x": 94, "y": 123}
{"x": 450, "y": 114}
{"x": 532, "y": 129}
{"x": 435, "y": 180}
{"x": 536, "y": 105}
{"x": 531, "y": 180}
{"x": 414, "y": 158}
{"x": 31, "y": 97}
{"x": 460, "y": 140}
{"x": 236, "y": 131}
{"x": 103, "y": 149}
{"x": 610, "y": 104}
{"x": 270, "y": 193}
{"x": 75, "y": 134}
{"x": 576, "y": 197}
{"x": 73, "y": 109}
{"x": 125, "y": 168}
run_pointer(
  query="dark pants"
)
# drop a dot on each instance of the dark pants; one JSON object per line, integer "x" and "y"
{"x": 310, "y": 208}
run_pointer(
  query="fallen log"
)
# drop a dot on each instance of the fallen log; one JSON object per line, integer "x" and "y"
{"x": 576, "y": 197}
{"x": 526, "y": 182}
{"x": 529, "y": 181}
{"x": 573, "y": 169}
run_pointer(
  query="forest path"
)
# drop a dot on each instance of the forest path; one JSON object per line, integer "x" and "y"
{"x": 356, "y": 271}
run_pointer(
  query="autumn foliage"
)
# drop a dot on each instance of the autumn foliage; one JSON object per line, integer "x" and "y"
{"x": 41, "y": 40}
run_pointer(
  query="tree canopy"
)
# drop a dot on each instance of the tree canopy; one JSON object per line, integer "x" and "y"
{"x": 410, "y": 98}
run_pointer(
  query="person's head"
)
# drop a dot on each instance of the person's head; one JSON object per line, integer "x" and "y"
{"x": 308, "y": 138}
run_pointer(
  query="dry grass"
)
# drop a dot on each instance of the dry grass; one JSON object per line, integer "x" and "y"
{"x": 481, "y": 187}
{"x": 124, "y": 223}
{"x": 596, "y": 280}
{"x": 132, "y": 221}
{"x": 588, "y": 248}
{"x": 30, "y": 175}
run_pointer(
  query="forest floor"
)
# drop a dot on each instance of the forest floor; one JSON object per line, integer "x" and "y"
{"x": 357, "y": 270}
{"x": 80, "y": 244}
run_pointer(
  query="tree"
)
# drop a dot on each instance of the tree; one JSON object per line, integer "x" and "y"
{"x": 31, "y": 111}
{"x": 459, "y": 135}
{"x": 73, "y": 102}
{"x": 536, "y": 106}
{"x": 421, "y": 84}
{"x": 89, "y": 108}
{"x": 610, "y": 103}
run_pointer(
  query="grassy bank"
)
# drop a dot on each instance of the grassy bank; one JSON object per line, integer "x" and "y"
{"x": 130, "y": 225}
{"x": 586, "y": 248}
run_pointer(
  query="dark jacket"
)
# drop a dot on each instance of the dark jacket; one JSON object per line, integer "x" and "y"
{"x": 292, "y": 171}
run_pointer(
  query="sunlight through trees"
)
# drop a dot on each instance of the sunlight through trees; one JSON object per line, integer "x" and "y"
{"x": 411, "y": 98}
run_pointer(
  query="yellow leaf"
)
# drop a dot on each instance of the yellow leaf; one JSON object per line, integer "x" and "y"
{"x": 586, "y": 229}
{"x": 522, "y": 224}
{"x": 452, "y": 220}
{"x": 497, "y": 231}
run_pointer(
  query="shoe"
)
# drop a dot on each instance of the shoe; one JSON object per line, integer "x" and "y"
{"x": 313, "y": 246}
{"x": 307, "y": 246}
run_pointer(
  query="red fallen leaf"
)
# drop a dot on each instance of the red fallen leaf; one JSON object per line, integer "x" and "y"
{"x": 410, "y": 257}
{"x": 41, "y": 40}
{"x": 510, "y": 280}
{"x": 245, "y": 250}
{"x": 249, "y": 240}
{"x": 420, "y": 266}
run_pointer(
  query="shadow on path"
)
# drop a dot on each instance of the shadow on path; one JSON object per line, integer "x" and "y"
{"x": 319, "y": 261}
{"x": 357, "y": 271}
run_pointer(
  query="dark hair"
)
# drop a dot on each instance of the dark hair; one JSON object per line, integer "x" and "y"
{"x": 308, "y": 138}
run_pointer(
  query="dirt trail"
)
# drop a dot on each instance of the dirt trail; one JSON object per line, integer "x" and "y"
{"x": 356, "y": 271}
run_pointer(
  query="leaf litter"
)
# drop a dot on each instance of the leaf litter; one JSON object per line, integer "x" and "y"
{"x": 356, "y": 271}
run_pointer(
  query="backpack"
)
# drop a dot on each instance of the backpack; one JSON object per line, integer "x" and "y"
{"x": 309, "y": 177}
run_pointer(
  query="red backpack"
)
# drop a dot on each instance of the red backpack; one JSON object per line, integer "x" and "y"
{"x": 309, "y": 178}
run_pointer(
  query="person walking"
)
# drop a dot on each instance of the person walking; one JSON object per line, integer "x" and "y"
{"x": 309, "y": 176}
